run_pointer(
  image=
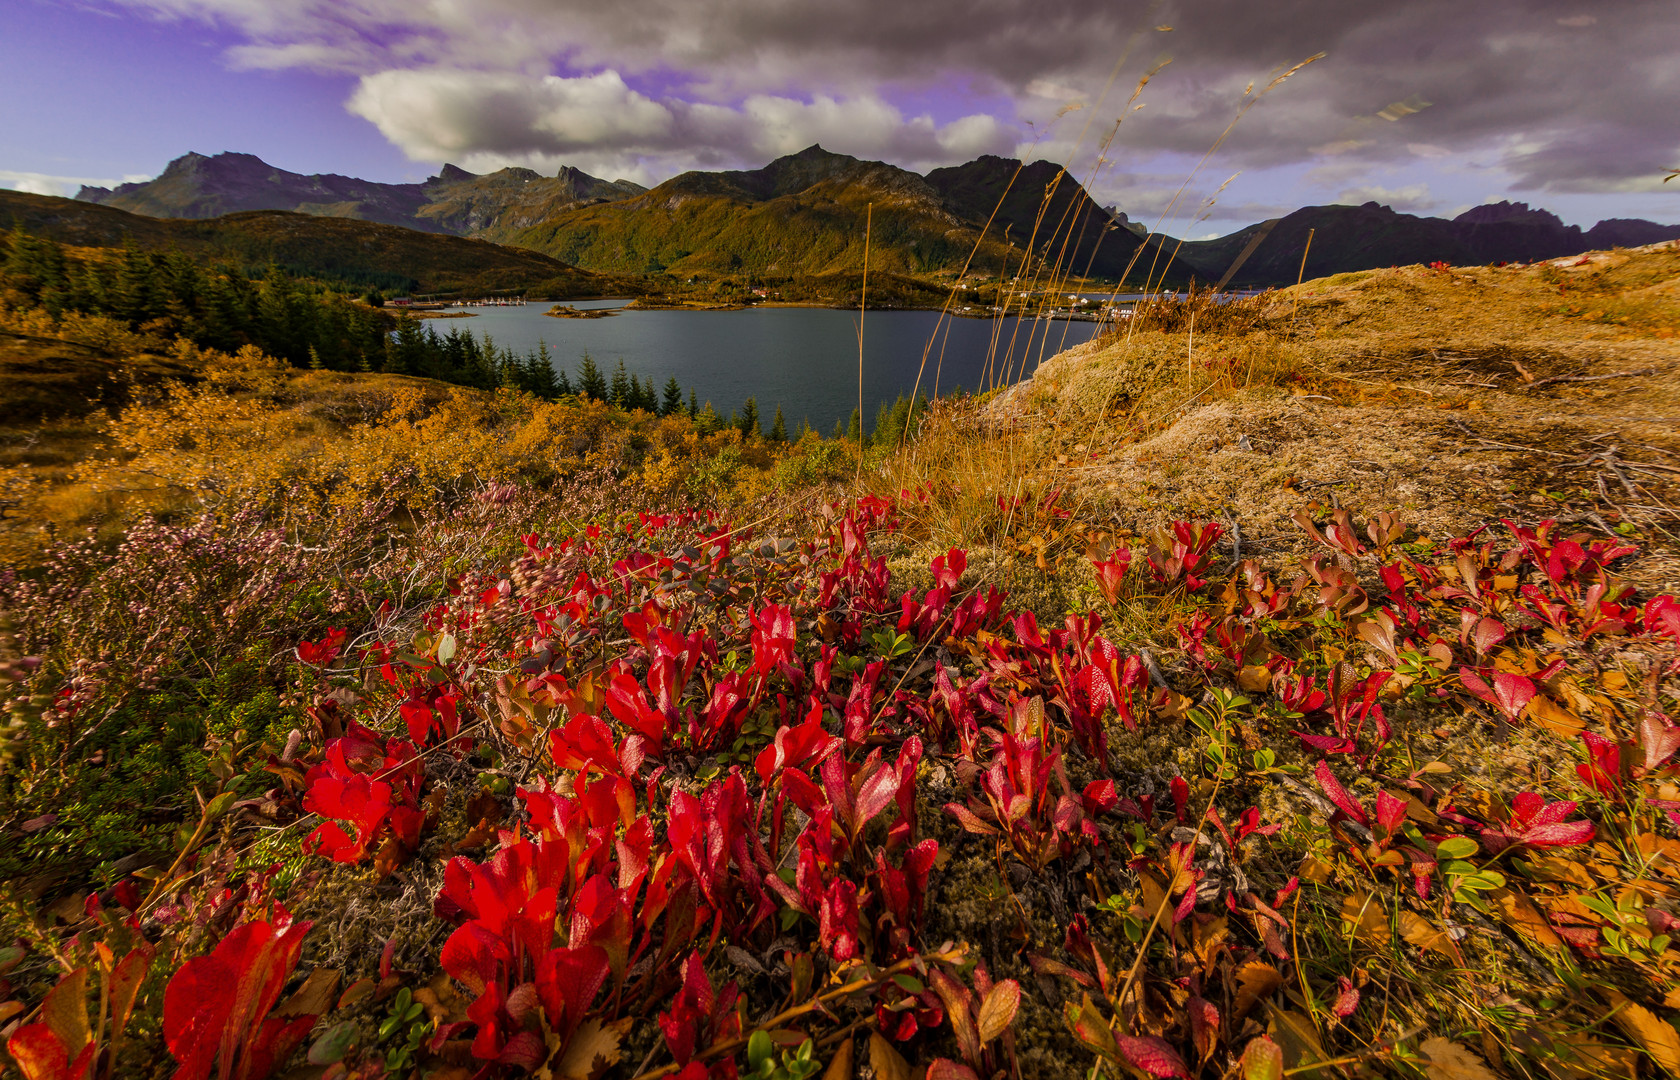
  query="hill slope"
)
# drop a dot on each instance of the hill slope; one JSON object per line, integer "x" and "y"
{"x": 807, "y": 213}
{"x": 972, "y": 191}
{"x": 358, "y": 252}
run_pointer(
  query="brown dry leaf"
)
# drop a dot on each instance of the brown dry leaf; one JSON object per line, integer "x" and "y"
{"x": 888, "y": 1063}
{"x": 1415, "y": 808}
{"x": 1367, "y": 918}
{"x": 442, "y": 1003}
{"x": 1450, "y": 1061}
{"x": 593, "y": 1050}
{"x": 314, "y": 998}
{"x": 390, "y": 858}
{"x": 1484, "y": 805}
{"x": 1298, "y": 1038}
{"x": 1613, "y": 680}
{"x": 1176, "y": 706}
{"x": 1561, "y": 870}
{"x": 841, "y": 1067}
{"x": 1519, "y": 912}
{"x": 1314, "y": 871}
{"x": 1656, "y": 1036}
{"x": 1418, "y": 931}
{"x": 1574, "y": 697}
{"x": 1553, "y": 717}
{"x": 1254, "y": 677}
{"x": 1208, "y": 937}
{"x": 1664, "y": 855}
{"x": 1576, "y": 1055}
{"x": 1256, "y": 981}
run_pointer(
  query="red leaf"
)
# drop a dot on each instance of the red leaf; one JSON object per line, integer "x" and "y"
{"x": 946, "y": 1069}
{"x": 41, "y": 1056}
{"x": 214, "y": 1007}
{"x": 1347, "y": 997}
{"x": 1154, "y": 1056}
{"x": 1338, "y": 794}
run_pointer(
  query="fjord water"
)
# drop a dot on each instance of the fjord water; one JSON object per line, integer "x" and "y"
{"x": 803, "y": 359}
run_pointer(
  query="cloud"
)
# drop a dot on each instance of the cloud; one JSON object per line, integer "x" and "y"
{"x": 599, "y": 123}
{"x": 46, "y": 184}
{"x": 1412, "y": 198}
{"x": 1591, "y": 95}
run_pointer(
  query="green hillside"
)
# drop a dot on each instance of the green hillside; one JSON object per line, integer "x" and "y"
{"x": 799, "y": 216}
{"x": 361, "y": 253}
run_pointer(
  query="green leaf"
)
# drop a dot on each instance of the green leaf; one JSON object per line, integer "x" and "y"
{"x": 759, "y": 1050}
{"x": 1262, "y": 1059}
{"x": 218, "y": 806}
{"x": 910, "y": 984}
{"x": 445, "y": 647}
{"x": 334, "y": 1044}
{"x": 1457, "y": 847}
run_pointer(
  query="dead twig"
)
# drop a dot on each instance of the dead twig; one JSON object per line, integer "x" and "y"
{"x": 1589, "y": 378}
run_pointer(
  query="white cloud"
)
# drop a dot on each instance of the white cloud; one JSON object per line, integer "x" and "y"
{"x": 46, "y": 184}
{"x": 1412, "y": 198}
{"x": 441, "y": 113}
{"x": 599, "y": 123}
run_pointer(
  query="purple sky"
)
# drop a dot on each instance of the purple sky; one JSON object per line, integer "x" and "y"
{"x": 1429, "y": 106}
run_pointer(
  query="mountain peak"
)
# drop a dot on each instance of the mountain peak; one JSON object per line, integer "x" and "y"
{"x": 1503, "y": 212}
{"x": 452, "y": 174}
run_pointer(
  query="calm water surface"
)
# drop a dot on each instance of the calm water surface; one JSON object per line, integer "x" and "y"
{"x": 803, "y": 359}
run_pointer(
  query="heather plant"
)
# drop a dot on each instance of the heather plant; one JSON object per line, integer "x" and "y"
{"x": 737, "y": 777}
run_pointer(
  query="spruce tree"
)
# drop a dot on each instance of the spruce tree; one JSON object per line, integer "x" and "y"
{"x": 590, "y": 383}
{"x": 693, "y": 405}
{"x": 778, "y": 429}
{"x": 547, "y": 385}
{"x": 749, "y": 420}
{"x": 134, "y": 297}
{"x": 854, "y": 427}
{"x": 673, "y": 397}
{"x": 620, "y": 394}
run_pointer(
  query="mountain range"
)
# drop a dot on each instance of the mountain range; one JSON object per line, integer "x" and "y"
{"x": 809, "y": 213}
{"x": 1372, "y": 236}
{"x": 359, "y": 253}
{"x": 803, "y": 214}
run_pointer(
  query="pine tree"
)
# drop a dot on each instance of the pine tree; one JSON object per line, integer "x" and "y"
{"x": 749, "y": 420}
{"x": 590, "y": 384}
{"x": 546, "y": 384}
{"x": 673, "y": 397}
{"x": 134, "y": 298}
{"x": 708, "y": 420}
{"x": 620, "y": 394}
{"x": 854, "y": 427}
{"x": 693, "y": 405}
{"x": 778, "y": 429}
{"x": 563, "y": 384}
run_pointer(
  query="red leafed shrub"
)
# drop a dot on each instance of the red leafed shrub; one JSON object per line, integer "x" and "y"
{"x": 1537, "y": 823}
{"x": 370, "y": 784}
{"x": 215, "y": 1009}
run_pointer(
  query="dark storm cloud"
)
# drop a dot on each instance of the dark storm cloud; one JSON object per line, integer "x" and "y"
{"x": 1566, "y": 96}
